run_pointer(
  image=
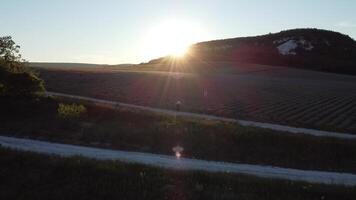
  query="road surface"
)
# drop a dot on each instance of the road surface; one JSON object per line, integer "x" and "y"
{"x": 172, "y": 162}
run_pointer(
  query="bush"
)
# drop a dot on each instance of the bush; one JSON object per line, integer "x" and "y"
{"x": 20, "y": 84}
{"x": 71, "y": 111}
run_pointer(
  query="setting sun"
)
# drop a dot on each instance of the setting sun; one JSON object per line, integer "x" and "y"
{"x": 172, "y": 38}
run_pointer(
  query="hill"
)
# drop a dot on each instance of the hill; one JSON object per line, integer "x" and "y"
{"x": 313, "y": 49}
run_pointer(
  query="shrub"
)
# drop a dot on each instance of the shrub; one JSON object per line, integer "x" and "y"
{"x": 71, "y": 111}
{"x": 20, "y": 85}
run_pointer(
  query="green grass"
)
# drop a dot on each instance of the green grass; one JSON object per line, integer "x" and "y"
{"x": 135, "y": 130}
{"x": 33, "y": 176}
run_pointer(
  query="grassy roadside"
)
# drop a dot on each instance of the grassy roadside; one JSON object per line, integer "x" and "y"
{"x": 135, "y": 130}
{"x": 33, "y": 176}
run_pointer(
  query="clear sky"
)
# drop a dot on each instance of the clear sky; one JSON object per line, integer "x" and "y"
{"x": 122, "y": 31}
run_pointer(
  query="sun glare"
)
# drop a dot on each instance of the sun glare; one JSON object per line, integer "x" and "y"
{"x": 172, "y": 38}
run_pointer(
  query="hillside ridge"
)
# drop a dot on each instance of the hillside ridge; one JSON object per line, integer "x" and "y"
{"x": 305, "y": 48}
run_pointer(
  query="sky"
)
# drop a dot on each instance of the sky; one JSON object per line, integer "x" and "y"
{"x": 135, "y": 31}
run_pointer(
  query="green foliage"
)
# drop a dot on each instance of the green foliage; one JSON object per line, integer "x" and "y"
{"x": 71, "y": 111}
{"x": 16, "y": 78}
{"x": 20, "y": 84}
{"x": 10, "y": 58}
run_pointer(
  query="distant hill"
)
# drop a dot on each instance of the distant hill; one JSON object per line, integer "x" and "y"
{"x": 73, "y": 65}
{"x": 301, "y": 48}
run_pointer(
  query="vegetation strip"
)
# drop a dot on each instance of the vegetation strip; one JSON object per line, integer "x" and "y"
{"x": 33, "y": 176}
{"x": 276, "y": 127}
{"x": 171, "y": 162}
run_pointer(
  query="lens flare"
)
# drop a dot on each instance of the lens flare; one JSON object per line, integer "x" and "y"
{"x": 178, "y": 151}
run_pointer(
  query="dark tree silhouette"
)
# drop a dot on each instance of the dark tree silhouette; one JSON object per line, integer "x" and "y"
{"x": 16, "y": 78}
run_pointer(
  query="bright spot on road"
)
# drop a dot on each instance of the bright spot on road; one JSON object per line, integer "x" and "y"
{"x": 178, "y": 155}
{"x": 178, "y": 151}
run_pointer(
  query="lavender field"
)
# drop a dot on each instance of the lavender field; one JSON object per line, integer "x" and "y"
{"x": 254, "y": 92}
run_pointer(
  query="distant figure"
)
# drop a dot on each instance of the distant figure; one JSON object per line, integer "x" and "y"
{"x": 178, "y": 106}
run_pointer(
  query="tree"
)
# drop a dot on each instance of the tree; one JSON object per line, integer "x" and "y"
{"x": 16, "y": 78}
{"x": 9, "y": 54}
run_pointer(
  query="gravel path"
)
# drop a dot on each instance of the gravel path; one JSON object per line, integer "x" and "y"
{"x": 276, "y": 127}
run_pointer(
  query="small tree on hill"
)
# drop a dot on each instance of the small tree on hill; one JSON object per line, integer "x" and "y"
{"x": 16, "y": 78}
